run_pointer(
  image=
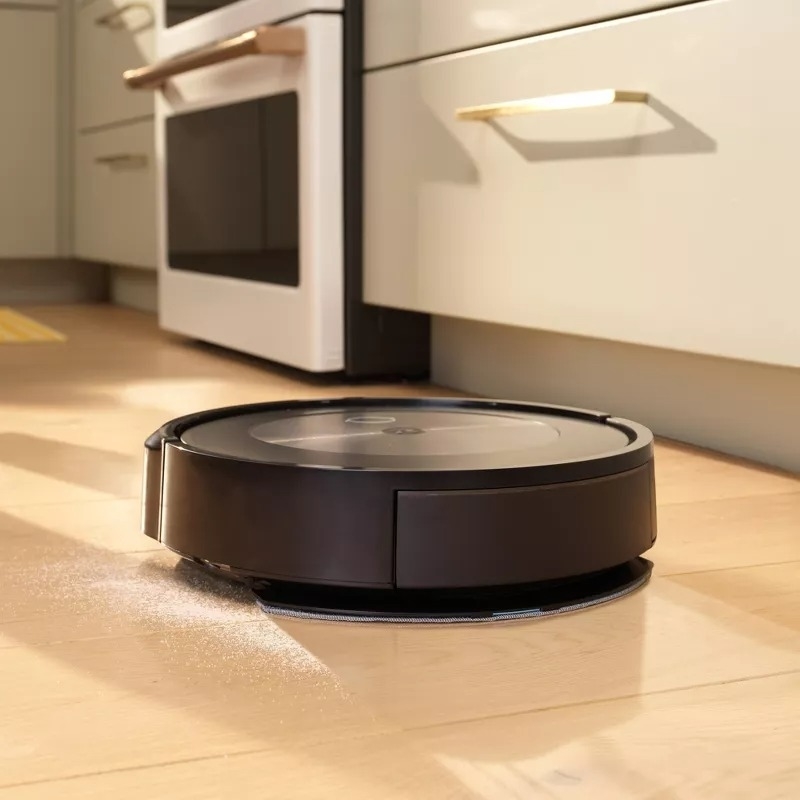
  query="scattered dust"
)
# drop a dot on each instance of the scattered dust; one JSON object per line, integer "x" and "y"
{"x": 187, "y": 596}
{"x": 194, "y": 609}
{"x": 181, "y": 595}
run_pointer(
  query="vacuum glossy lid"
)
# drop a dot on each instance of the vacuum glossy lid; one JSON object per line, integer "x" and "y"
{"x": 399, "y": 435}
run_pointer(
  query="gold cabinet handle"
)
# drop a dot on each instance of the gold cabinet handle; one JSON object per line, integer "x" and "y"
{"x": 551, "y": 102}
{"x": 115, "y": 21}
{"x": 262, "y": 41}
{"x": 123, "y": 159}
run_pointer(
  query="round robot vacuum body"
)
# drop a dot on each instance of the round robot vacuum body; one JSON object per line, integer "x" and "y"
{"x": 408, "y": 509}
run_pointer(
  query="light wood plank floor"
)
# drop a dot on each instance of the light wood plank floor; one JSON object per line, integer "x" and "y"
{"x": 123, "y": 674}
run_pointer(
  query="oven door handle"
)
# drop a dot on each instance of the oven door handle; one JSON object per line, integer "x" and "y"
{"x": 266, "y": 40}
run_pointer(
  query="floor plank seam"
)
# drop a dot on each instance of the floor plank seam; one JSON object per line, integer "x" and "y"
{"x": 604, "y": 700}
{"x": 179, "y": 761}
{"x": 123, "y": 636}
{"x": 725, "y": 569}
{"x": 731, "y": 498}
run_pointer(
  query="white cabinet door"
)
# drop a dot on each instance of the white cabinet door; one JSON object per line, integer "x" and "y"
{"x": 115, "y": 196}
{"x": 405, "y": 30}
{"x": 110, "y": 37}
{"x": 670, "y": 223}
{"x": 28, "y": 133}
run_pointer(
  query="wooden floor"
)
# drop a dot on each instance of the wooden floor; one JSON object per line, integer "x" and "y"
{"x": 125, "y": 675}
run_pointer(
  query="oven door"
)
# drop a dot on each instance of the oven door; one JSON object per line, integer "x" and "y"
{"x": 251, "y": 195}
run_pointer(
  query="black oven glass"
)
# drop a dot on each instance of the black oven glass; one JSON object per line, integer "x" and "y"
{"x": 232, "y": 190}
{"x": 177, "y": 11}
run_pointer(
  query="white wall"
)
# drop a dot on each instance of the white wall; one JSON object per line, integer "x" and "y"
{"x": 36, "y": 175}
{"x": 29, "y": 131}
{"x": 741, "y": 408}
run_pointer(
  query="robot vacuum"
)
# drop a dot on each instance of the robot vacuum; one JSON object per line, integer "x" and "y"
{"x": 409, "y": 510}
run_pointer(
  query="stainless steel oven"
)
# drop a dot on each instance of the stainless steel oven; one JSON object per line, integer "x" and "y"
{"x": 258, "y": 146}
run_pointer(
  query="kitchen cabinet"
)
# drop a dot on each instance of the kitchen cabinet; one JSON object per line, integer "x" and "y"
{"x": 668, "y": 222}
{"x": 28, "y": 134}
{"x": 110, "y": 37}
{"x": 114, "y": 152}
{"x": 407, "y": 30}
{"x": 115, "y": 196}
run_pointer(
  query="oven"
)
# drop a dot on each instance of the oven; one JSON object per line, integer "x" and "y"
{"x": 258, "y": 150}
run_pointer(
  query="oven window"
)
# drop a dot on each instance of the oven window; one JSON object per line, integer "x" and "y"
{"x": 177, "y": 11}
{"x": 232, "y": 190}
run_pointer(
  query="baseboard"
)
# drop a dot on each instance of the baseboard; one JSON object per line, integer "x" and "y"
{"x": 51, "y": 281}
{"x": 135, "y": 288}
{"x": 740, "y": 408}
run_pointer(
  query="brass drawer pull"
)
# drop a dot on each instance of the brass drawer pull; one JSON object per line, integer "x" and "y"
{"x": 262, "y": 41}
{"x": 115, "y": 21}
{"x": 123, "y": 159}
{"x": 551, "y": 102}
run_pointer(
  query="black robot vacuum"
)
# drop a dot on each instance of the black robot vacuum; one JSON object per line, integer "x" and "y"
{"x": 410, "y": 510}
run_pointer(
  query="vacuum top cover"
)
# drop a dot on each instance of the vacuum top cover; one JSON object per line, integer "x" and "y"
{"x": 403, "y": 437}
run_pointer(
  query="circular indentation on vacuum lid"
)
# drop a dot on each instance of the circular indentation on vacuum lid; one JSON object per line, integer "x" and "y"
{"x": 398, "y": 437}
{"x": 444, "y": 433}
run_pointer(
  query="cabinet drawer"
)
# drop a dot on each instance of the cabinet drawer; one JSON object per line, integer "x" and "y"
{"x": 110, "y": 37}
{"x": 669, "y": 223}
{"x": 403, "y": 30}
{"x": 115, "y": 204}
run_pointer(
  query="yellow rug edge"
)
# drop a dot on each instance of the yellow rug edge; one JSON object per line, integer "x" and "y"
{"x": 27, "y": 329}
